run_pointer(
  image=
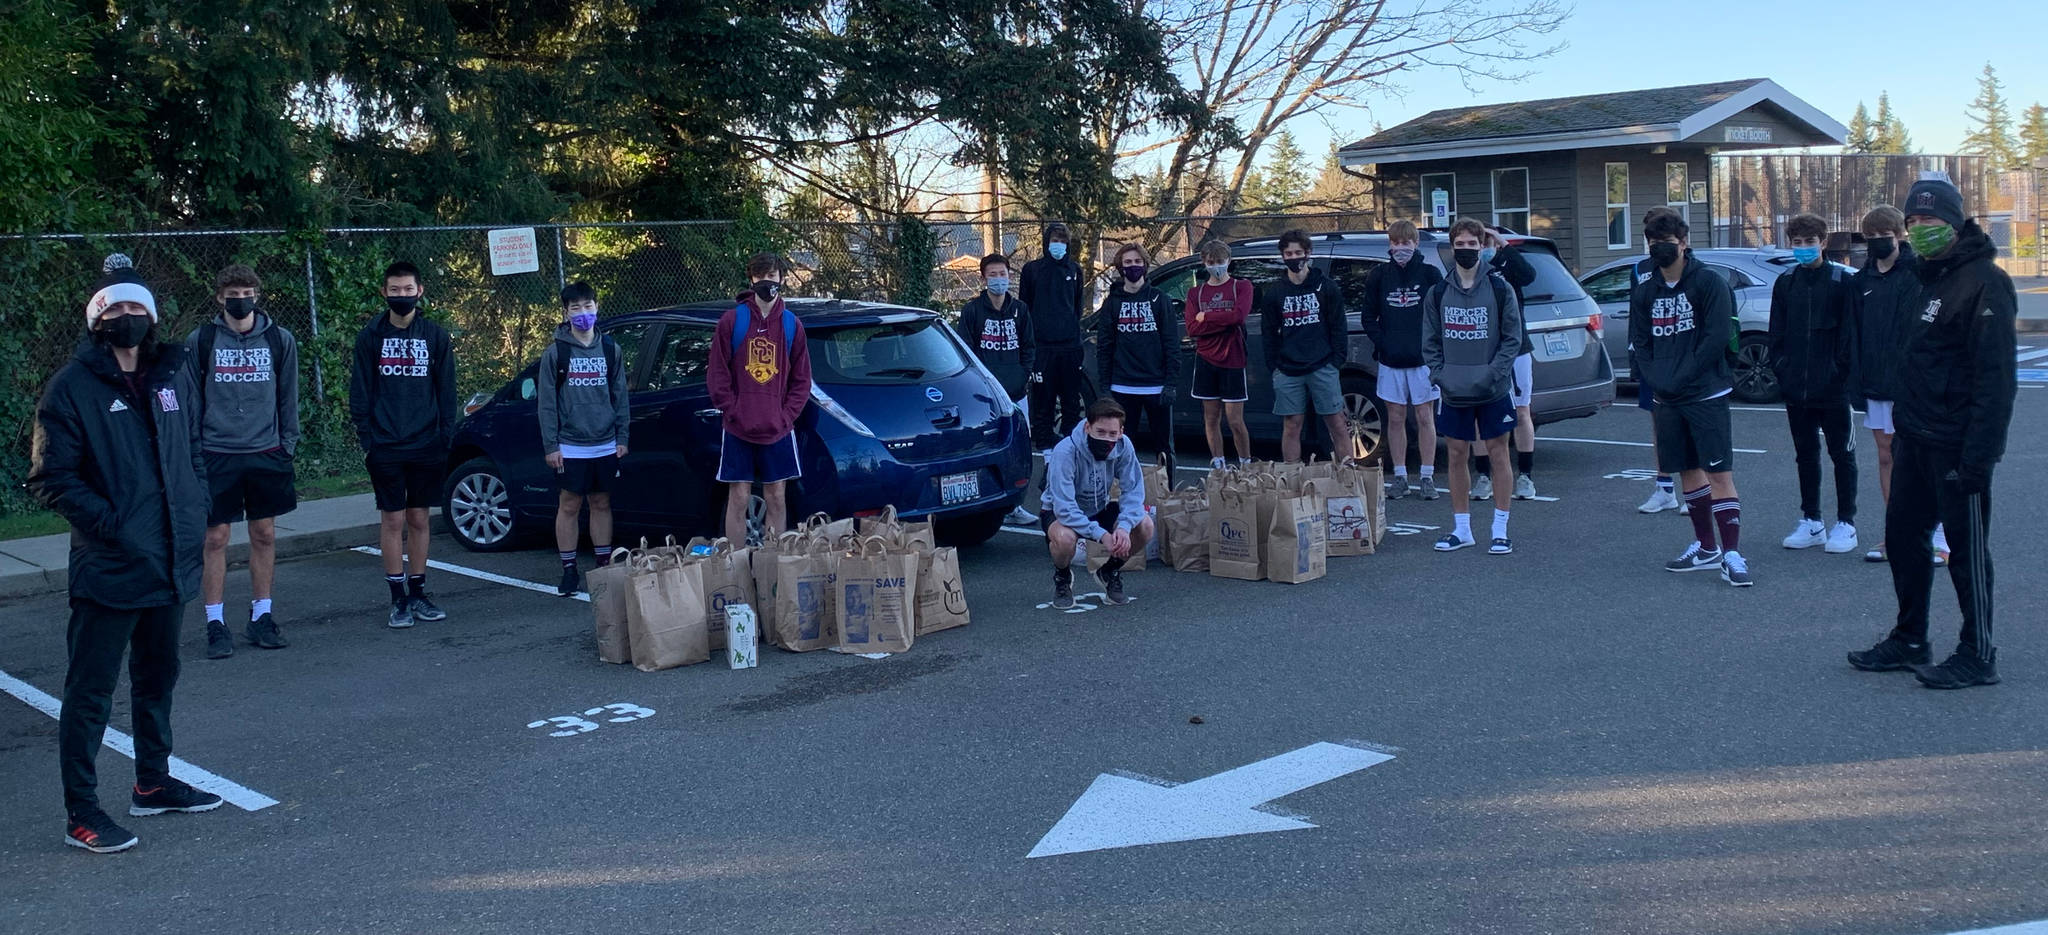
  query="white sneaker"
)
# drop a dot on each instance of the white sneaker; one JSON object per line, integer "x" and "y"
{"x": 1482, "y": 488}
{"x": 1215, "y": 464}
{"x": 1809, "y": 533}
{"x": 1842, "y": 538}
{"x": 1940, "y": 545}
{"x": 1659, "y": 502}
{"x": 1525, "y": 488}
{"x": 1021, "y": 517}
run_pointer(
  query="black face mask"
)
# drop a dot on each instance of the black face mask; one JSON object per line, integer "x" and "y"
{"x": 401, "y": 305}
{"x": 1881, "y": 247}
{"x": 239, "y": 307}
{"x": 1296, "y": 264}
{"x": 126, "y": 330}
{"x": 1099, "y": 448}
{"x": 766, "y": 289}
{"x": 1663, "y": 254}
{"x": 1465, "y": 257}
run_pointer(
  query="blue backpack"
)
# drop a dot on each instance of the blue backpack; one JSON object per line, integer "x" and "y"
{"x": 739, "y": 334}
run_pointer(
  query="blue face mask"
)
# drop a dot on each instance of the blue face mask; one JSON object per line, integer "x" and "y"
{"x": 1056, "y": 250}
{"x": 1806, "y": 254}
{"x": 998, "y": 285}
{"x": 1486, "y": 254}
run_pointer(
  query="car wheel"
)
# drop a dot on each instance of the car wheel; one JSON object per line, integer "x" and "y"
{"x": 1754, "y": 381}
{"x": 757, "y": 519}
{"x": 970, "y": 530}
{"x": 478, "y": 507}
{"x": 1368, "y": 421}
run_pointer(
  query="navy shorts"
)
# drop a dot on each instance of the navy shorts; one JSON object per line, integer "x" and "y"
{"x": 1475, "y": 423}
{"x": 741, "y": 461}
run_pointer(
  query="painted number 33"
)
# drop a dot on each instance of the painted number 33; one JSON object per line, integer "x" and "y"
{"x": 569, "y": 725}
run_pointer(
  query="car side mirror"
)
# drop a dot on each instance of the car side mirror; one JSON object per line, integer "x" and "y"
{"x": 528, "y": 388}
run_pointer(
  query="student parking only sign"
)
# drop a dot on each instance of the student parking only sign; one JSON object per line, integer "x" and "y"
{"x": 513, "y": 250}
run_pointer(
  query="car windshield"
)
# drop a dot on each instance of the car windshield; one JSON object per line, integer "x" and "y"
{"x": 896, "y": 352}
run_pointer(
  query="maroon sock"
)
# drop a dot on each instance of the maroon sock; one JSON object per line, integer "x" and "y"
{"x": 1728, "y": 517}
{"x": 1702, "y": 516}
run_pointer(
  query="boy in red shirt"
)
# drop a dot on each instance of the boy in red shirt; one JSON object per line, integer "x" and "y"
{"x": 1215, "y": 314}
{"x": 761, "y": 390}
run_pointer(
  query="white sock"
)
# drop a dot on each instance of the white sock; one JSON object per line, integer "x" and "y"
{"x": 214, "y": 613}
{"x": 1940, "y": 538}
{"x": 259, "y": 607}
{"x": 1500, "y": 524}
{"x": 1461, "y": 523}
{"x": 1429, "y": 470}
{"x": 1401, "y": 472}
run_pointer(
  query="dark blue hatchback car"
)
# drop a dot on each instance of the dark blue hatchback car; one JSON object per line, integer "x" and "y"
{"x": 901, "y": 414}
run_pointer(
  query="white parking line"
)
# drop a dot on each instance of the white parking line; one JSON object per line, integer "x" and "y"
{"x": 1609, "y": 441}
{"x": 1025, "y": 531}
{"x": 242, "y": 797}
{"x": 2023, "y": 928}
{"x": 1756, "y": 409}
{"x": 438, "y": 565}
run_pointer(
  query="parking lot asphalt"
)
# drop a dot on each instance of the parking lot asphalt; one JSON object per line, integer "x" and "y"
{"x": 1582, "y": 744}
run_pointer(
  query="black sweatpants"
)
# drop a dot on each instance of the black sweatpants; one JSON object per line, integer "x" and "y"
{"x": 1062, "y": 387}
{"x": 1155, "y": 412}
{"x": 1809, "y": 423}
{"x": 98, "y": 635}
{"x": 1924, "y": 492}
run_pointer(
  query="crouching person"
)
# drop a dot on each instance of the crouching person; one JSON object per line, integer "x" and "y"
{"x": 1077, "y": 505}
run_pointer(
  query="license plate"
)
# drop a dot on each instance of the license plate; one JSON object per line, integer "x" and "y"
{"x": 959, "y": 488}
{"x": 1556, "y": 344}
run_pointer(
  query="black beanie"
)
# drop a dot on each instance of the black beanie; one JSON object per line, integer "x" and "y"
{"x": 1935, "y": 198}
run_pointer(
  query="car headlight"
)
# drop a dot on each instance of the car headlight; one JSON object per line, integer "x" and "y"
{"x": 832, "y": 407}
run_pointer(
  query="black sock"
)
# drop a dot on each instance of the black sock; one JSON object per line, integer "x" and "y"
{"x": 603, "y": 552}
{"x": 1525, "y": 461}
{"x": 568, "y": 558}
{"x": 397, "y": 583}
{"x": 416, "y": 585}
{"x": 1114, "y": 564}
{"x": 1482, "y": 466}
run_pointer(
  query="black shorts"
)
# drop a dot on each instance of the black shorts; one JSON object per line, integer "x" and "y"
{"x": 1213, "y": 382}
{"x": 1694, "y": 436}
{"x": 406, "y": 482}
{"x": 1105, "y": 517}
{"x": 588, "y": 475}
{"x": 253, "y": 486}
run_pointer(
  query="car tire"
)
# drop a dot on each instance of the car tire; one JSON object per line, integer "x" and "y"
{"x": 970, "y": 530}
{"x": 757, "y": 518}
{"x": 1753, "y": 379}
{"x": 1368, "y": 417}
{"x": 477, "y": 505}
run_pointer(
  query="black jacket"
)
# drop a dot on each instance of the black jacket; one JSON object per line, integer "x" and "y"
{"x": 1002, "y": 339}
{"x": 401, "y": 387}
{"x": 1302, "y": 326}
{"x": 1137, "y": 339}
{"x": 1812, "y": 334}
{"x": 1515, "y": 268}
{"x": 1392, "y": 314}
{"x": 136, "y": 499}
{"x": 1882, "y": 303}
{"x": 1678, "y": 335}
{"x": 1961, "y": 373}
{"x": 1051, "y": 289}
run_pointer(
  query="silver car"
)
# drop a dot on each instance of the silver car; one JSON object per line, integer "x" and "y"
{"x": 1750, "y": 272}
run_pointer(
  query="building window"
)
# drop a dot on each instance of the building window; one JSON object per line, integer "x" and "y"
{"x": 1433, "y": 182}
{"x": 1617, "y": 206}
{"x": 1511, "y": 199}
{"x": 1675, "y": 190}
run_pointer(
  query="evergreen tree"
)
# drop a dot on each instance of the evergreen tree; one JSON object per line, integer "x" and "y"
{"x": 2034, "y": 137}
{"x": 1889, "y": 133}
{"x": 1860, "y": 138}
{"x": 1993, "y": 136}
{"x": 1286, "y": 178}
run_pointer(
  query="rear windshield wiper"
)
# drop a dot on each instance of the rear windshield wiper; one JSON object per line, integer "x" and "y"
{"x": 911, "y": 372}
{"x": 1541, "y": 297}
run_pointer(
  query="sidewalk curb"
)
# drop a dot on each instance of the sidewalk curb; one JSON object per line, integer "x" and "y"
{"x": 42, "y": 581}
{"x": 2033, "y": 326}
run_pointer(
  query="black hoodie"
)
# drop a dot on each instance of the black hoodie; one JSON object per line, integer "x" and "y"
{"x": 1003, "y": 339}
{"x": 1302, "y": 325}
{"x": 1392, "y": 315}
{"x": 1961, "y": 371}
{"x": 401, "y": 388}
{"x": 1812, "y": 336}
{"x": 1138, "y": 338}
{"x": 127, "y": 473}
{"x": 1883, "y": 302}
{"x": 1678, "y": 335}
{"x": 1051, "y": 289}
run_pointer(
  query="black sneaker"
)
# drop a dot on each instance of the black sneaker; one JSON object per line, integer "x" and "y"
{"x": 424, "y": 609}
{"x": 170, "y": 795}
{"x": 1063, "y": 588}
{"x": 263, "y": 633}
{"x": 97, "y": 833}
{"x": 220, "y": 644}
{"x": 1112, "y": 584}
{"x": 572, "y": 581}
{"x": 401, "y": 615}
{"x": 1961, "y": 670}
{"x": 1891, "y": 654}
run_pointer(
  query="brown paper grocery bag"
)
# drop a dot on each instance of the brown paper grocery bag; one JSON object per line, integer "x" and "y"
{"x": 1235, "y": 539}
{"x": 822, "y": 524}
{"x": 1296, "y": 539}
{"x": 607, "y": 584}
{"x": 1158, "y": 489}
{"x": 903, "y": 535}
{"x": 1364, "y": 482}
{"x": 877, "y": 594}
{"x": 805, "y": 610}
{"x": 728, "y": 579}
{"x": 1098, "y": 555}
{"x": 941, "y": 594}
{"x": 665, "y": 614}
{"x": 1187, "y": 532}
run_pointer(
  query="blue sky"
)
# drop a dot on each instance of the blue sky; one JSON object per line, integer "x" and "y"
{"x": 1814, "y": 50}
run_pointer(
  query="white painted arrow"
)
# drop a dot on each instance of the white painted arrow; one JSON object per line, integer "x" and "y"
{"x": 1117, "y": 811}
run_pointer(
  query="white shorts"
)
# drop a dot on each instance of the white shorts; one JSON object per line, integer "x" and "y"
{"x": 1525, "y": 382}
{"x": 1406, "y": 386}
{"x": 1878, "y": 417}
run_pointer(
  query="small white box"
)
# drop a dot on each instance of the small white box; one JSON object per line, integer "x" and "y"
{"x": 742, "y": 636}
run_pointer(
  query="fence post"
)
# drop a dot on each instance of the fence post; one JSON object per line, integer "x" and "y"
{"x": 313, "y": 310}
{"x": 561, "y": 272}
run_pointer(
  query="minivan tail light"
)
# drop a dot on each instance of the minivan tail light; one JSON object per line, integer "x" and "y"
{"x": 1593, "y": 325}
{"x": 476, "y": 401}
{"x": 839, "y": 412}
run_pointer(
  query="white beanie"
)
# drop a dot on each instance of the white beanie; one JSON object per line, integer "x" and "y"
{"x": 120, "y": 284}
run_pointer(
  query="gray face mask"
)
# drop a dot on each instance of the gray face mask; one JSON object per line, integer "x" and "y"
{"x": 1218, "y": 271}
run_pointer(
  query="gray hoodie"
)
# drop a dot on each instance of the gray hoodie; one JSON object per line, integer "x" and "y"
{"x": 592, "y": 408}
{"x": 1077, "y": 485}
{"x": 1470, "y": 338}
{"x": 250, "y": 401}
